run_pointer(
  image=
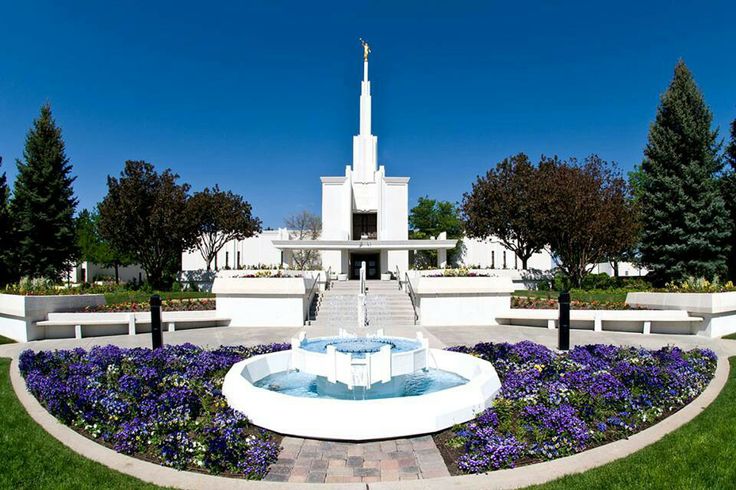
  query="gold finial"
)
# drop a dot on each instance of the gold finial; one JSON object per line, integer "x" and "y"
{"x": 366, "y": 49}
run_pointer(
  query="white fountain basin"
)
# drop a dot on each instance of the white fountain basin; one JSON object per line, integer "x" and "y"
{"x": 326, "y": 418}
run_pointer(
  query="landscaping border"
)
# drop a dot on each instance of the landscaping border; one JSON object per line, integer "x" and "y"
{"x": 510, "y": 478}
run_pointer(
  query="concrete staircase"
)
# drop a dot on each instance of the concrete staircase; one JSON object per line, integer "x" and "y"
{"x": 385, "y": 303}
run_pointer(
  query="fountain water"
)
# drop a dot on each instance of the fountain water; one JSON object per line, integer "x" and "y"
{"x": 387, "y": 383}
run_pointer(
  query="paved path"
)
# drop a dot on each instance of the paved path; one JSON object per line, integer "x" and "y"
{"x": 313, "y": 461}
{"x": 308, "y": 460}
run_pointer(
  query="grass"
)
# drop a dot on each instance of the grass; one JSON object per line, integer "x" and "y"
{"x": 34, "y": 459}
{"x": 731, "y": 336}
{"x": 5, "y": 340}
{"x": 607, "y": 296}
{"x": 143, "y": 297}
{"x": 699, "y": 455}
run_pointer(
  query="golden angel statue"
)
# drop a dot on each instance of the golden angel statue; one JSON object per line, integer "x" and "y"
{"x": 366, "y": 49}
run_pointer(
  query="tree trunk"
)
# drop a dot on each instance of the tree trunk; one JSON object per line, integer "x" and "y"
{"x": 524, "y": 261}
{"x": 117, "y": 272}
{"x": 614, "y": 263}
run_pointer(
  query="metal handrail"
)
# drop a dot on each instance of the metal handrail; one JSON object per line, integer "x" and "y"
{"x": 328, "y": 278}
{"x": 310, "y": 295}
{"x": 398, "y": 277}
{"x": 412, "y": 297}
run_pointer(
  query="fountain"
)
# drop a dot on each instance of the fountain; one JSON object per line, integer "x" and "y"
{"x": 354, "y": 387}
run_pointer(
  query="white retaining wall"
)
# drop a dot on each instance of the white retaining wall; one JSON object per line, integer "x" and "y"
{"x": 263, "y": 302}
{"x": 19, "y": 314}
{"x": 718, "y": 310}
{"x": 456, "y": 301}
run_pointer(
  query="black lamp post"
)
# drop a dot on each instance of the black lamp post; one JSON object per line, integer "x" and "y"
{"x": 563, "y": 334}
{"x": 156, "y": 334}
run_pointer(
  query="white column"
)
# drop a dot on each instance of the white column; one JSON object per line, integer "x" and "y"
{"x": 442, "y": 253}
{"x": 441, "y": 258}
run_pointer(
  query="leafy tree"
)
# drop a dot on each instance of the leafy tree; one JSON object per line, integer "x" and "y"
{"x": 144, "y": 216}
{"x": 428, "y": 219}
{"x": 220, "y": 217}
{"x": 304, "y": 226}
{"x": 685, "y": 225}
{"x": 43, "y": 203}
{"x": 6, "y": 236}
{"x": 508, "y": 203}
{"x": 728, "y": 188}
{"x": 591, "y": 214}
{"x": 93, "y": 248}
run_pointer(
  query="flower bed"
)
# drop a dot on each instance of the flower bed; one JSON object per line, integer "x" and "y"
{"x": 192, "y": 304}
{"x": 552, "y": 405}
{"x": 551, "y": 304}
{"x": 164, "y": 405}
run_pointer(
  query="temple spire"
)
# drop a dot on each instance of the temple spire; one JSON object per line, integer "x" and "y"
{"x": 364, "y": 144}
{"x": 365, "y": 93}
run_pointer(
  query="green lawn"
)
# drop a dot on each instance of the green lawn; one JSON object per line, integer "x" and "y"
{"x": 34, "y": 459}
{"x": 609, "y": 296}
{"x": 143, "y": 297}
{"x": 699, "y": 455}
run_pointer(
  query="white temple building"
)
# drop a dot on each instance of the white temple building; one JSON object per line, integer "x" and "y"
{"x": 365, "y": 212}
{"x": 365, "y": 218}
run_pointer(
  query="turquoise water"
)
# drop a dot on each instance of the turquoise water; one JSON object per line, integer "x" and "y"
{"x": 295, "y": 383}
{"x": 360, "y": 346}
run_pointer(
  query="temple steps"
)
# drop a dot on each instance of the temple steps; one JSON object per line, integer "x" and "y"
{"x": 386, "y": 305}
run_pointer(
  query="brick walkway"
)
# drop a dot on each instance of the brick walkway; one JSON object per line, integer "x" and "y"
{"x": 314, "y": 461}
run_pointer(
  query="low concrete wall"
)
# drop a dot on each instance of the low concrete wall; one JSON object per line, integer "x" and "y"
{"x": 718, "y": 310}
{"x": 455, "y": 301}
{"x": 262, "y": 302}
{"x": 19, "y": 314}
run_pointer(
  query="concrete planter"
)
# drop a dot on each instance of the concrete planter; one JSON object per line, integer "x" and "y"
{"x": 19, "y": 314}
{"x": 717, "y": 309}
{"x": 456, "y": 301}
{"x": 263, "y": 302}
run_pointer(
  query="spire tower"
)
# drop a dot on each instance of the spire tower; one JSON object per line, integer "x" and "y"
{"x": 365, "y": 144}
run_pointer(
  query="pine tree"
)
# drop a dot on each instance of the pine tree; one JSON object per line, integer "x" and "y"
{"x": 43, "y": 203}
{"x": 6, "y": 237}
{"x": 728, "y": 187}
{"x": 685, "y": 224}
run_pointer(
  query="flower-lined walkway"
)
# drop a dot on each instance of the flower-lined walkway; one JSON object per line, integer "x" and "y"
{"x": 314, "y": 461}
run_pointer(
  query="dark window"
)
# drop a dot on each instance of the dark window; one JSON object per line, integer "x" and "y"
{"x": 238, "y": 264}
{"x": 504, "y": 259}
{"x": 516, "y": 261}
{"x": 365, "y": 225}
{"x": 493, "y": 259}
{"x": 227, "y": 260}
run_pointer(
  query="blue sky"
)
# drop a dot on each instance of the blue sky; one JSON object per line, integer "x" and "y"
{"x": 262, "y": 98}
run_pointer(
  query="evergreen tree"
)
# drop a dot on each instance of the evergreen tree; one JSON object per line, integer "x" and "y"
{"x": 728, "y": 187}
{"x": 685, "y": 226}
{"x": 43, "y": 203}
{"x": 6, "y": 237}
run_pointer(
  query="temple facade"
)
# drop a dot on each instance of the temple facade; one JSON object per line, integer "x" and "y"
{"x": 365, "y": 212}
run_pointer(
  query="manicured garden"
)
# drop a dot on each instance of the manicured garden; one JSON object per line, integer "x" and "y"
{"x": 34, "y": 459}
{"x": 162, "y": 405}
{"x": 166, "y": 405}
{"x": 553, "y": 405}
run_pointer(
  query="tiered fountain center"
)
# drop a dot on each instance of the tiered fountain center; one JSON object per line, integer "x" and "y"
{"x": 359, "y": 362}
